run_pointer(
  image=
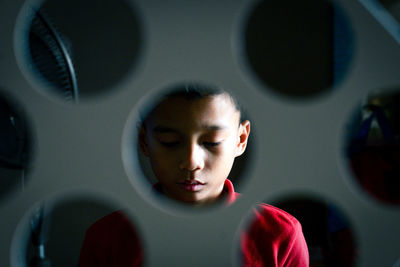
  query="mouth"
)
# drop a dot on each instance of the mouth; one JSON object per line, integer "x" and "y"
{"x": 191, "y": 185}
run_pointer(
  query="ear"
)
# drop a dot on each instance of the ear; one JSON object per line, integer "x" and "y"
{"x": 143, "y": 142}
{"x": 243, "y": 136}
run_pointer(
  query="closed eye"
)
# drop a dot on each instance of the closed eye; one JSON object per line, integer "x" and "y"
{"x": 211, "y": 144}
{"x": 170, "y": 144}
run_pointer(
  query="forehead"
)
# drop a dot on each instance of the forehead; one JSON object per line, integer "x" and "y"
{"x": 218, "y": 110}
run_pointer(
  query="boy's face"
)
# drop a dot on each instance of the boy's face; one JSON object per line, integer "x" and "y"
{"x": 192, "y": 145}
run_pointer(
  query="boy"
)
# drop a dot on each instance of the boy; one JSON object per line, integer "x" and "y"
{"x": 192, "y": 136}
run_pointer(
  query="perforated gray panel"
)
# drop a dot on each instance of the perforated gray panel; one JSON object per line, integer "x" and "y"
{"x": 299, "y": 143}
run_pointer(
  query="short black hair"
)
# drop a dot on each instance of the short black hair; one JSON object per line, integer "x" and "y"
{"x": 192, "y": 91}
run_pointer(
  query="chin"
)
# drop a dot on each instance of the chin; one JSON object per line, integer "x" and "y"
{"x": 191, "y": 200}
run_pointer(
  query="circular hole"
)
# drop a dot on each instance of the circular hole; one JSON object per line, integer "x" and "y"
{"x": 298, "y": 49}
{"x": 183, "y": 140}
{"x": 15, "y": 146}
{"x": 79, "y": 230}
{"x": 372, "y": 146}
{"x": 328, "y": 232}
{"x": 323, "y": 230}
{"x": 73, "y": 49}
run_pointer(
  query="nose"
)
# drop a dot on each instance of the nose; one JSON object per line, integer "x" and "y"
{"x": 192, "y": 158}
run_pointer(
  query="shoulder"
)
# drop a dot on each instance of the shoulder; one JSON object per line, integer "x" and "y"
{"x": 273, "y": 224}
{"x": 270, "y": 216}
{"x": 274, "y": 236}
{"x": 105, "y": 222}
{"x": 109, "y": 226}
{"x": 111, "y": 241}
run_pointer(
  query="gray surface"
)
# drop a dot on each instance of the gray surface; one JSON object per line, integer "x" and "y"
{"x": 79, "y": 147}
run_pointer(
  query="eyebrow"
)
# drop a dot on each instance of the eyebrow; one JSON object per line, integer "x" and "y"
{"x": 165, "y": 129}
{"x": 215, "y": 127}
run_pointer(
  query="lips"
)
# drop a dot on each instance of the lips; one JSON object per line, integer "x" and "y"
{"x": 191, "y": 185}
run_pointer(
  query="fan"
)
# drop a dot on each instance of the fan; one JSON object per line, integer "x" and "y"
{"x": 53, "y": 65}
{"x": 15, "y": 147}
{"x": 51, "y": 59}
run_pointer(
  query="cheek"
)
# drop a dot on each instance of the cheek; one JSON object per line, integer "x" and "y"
{"x": 161, "y": 162}
{"x": 162, "y": 171}
{"x": 222, "y": 160}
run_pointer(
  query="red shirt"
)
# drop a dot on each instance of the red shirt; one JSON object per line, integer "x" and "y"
{"x": 111, "y": 241}
{"x": 274, "y": 238}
